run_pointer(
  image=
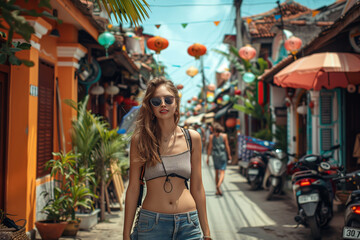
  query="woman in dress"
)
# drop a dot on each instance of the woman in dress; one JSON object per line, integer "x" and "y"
{"x": 170, "y": 209}
{"x": 220, "y": 152}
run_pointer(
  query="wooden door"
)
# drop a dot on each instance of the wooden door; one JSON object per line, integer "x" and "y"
{"x": 45, "y": 117}
{"x": 3, "y": 129}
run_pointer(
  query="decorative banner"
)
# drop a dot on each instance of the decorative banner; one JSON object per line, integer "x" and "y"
{"x": 277, "y": 17}
{"x": 157, "y": 26}
{"x": 248, "y": 20}
{"x": 216, "y": 23}
{"x": 184, "y": 25}
{"x": 315, "y": 12}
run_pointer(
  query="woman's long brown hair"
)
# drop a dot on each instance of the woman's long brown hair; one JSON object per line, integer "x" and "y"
{"x": 147, "y": 131}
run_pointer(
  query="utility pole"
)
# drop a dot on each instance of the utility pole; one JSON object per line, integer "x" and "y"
{"x": 239, "y": 44}
{"x": 203, "y": 82}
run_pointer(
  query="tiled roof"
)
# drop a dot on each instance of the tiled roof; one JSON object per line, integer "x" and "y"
{"x": 261, "y": 24}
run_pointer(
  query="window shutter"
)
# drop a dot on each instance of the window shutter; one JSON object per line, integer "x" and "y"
{"x": 45, "y": 117}
{"x": 326, "y": 121}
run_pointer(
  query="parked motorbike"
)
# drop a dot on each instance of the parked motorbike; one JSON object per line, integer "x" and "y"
{"x": 351, "y": 228}
{"x": 313, "y": 191}
{"x": 275, "y": 172}
{"x": 256, "y": 169}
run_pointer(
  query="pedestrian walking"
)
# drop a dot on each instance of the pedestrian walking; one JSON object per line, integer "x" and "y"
{"x": 208, "y": 132}
{"x": 168, "y": 156}
{"x": 220, "y": 151}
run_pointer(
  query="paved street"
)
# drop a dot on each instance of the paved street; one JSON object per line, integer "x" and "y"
{"x": 238, "y": 214}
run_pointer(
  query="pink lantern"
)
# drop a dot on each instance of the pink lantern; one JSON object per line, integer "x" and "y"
{"x": 225, "y": 75}
{"x": 247, "y": 52}
{"x": 211, "y": 87}
{"x": 194, "y": 98}
{"x": 293, "y": 44}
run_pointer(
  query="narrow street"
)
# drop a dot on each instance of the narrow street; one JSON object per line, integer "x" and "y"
{"x": 244, "y": 214}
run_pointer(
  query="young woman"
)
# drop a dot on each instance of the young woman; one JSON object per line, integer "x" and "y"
{"x": 220, "y": 152}
{"x": 170, "y": 210}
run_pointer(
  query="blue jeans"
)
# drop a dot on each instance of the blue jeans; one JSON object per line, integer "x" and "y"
{"x": 160, "y": 226}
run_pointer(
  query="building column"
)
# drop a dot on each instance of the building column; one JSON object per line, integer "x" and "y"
{"x": 314, "y": 97}
{"x": 22, "y": 136}
{"x": 68, "y": 56}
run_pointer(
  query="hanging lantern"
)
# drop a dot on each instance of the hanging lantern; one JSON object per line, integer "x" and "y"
{"x": 157, "y": 44}
{"x": 219, "y": 100}
{"x": 180, "y": 86}
{"x": 247, "y": 52}
{"x": 226, "y": 98}
{"x": 189, "y": 101}
{"x": 248, "y": 77}
{"x": 106, "y": 39}
{"x": 230, "y": 122}
{"x": 311, "y": 104}
{"x": 211, "y": 87}
{"x": 225, "y": 75}
{"x": 112, "y": 89}
{"x": 237, "y": 92}
{"x": 119, "y": 99}
{"x": 192, "y": 71}
{"x": 97, "y": 90}
{"x": 194, "y": 98}
{"x": 293, "y": 44}
{"x": 210, "y": 98}
{"x": 196, "y": 50}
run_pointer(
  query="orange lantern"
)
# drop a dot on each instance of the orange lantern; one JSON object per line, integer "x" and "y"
{"x": 157, "y": 44}
{"x": 247, "y": 52}
{"x": 293, "y": 44}
{"x": 230, "y": 122}
{"x": 211, "y": 87}
{"x": 192, "y": 71}
{"x": 180, "y": 86}
{"x": 196, "y": 50}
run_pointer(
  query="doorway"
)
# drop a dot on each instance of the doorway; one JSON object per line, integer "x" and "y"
{"x": 4, "y": 76}
{"x": 301, "y": 109}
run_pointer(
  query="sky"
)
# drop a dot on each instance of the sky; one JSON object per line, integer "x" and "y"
{"x": 200, "y": 16}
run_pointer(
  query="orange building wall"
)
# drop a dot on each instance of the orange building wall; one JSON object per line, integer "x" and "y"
{"x": 21, "y": 168}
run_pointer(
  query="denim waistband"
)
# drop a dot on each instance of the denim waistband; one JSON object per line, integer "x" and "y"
{"x": 167, "y": 216}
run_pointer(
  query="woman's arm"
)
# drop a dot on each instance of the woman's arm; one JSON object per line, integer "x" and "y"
{"x": 196, "y": 184}
{"x": 227, "y": 146}
{"x": 209, "y": 149}
{"x": 133, "y": 190}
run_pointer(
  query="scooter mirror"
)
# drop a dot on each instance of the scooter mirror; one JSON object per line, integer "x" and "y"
{"x": 325, "y": 165}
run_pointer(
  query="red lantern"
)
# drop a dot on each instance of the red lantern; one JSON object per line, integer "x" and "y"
{"x": 157, "y": 44}
{"x": 237, "y": 92}
{"x": 119, "y": 99}
{"x": 293, "y": 44}
{"x": 261, "y": 93}
{"x": 189, "y": 101}
{"x": 180, "y": 86}
{"x": 287, "y": 104}
{"x": 311, "y": 104}
{"x": 230, "y": 122}
{"x": 247, "y": 52}
{"x": 196, "y": 50}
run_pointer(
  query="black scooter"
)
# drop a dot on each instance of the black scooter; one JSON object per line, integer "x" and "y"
{"x": 351, "y": 228}
{"x": 314, "y": 192}
{"x": 256, "y": 169}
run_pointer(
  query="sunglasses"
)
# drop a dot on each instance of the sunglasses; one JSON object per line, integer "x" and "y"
{"x": 156, "y": 101}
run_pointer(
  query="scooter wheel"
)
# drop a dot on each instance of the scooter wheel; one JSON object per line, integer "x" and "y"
{"x": 270, "y": 193}
{"x": 315, "y": 228}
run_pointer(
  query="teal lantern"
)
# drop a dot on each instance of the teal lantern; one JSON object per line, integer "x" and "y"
{"x": 106, "y": 39}
{"x": 226, "y": 98}
{"x": 210, "y": 98}
{"x": 248, "y": 77}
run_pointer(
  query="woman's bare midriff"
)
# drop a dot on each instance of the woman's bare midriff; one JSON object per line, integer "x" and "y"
{"x": 179, "y": 200}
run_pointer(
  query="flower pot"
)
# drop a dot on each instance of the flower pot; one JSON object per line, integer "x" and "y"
{"x": 72, "y": 228}
{"x": 49, "y": 230}
{"x": 88, "y": 220}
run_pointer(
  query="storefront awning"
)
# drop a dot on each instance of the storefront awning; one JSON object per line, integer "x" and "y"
{"x": 209, "y": 117}
{"x": 223, "y": 111}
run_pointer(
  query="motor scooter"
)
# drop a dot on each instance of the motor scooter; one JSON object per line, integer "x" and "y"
{"x": 256, "y": 169}
{"x": 274, "y": 177}
{"x": 351, "y": 229}
{"x": 313, "y": 191}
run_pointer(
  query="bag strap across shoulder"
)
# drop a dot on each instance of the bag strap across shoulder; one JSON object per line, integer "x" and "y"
{"x": 188, "y": 138}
